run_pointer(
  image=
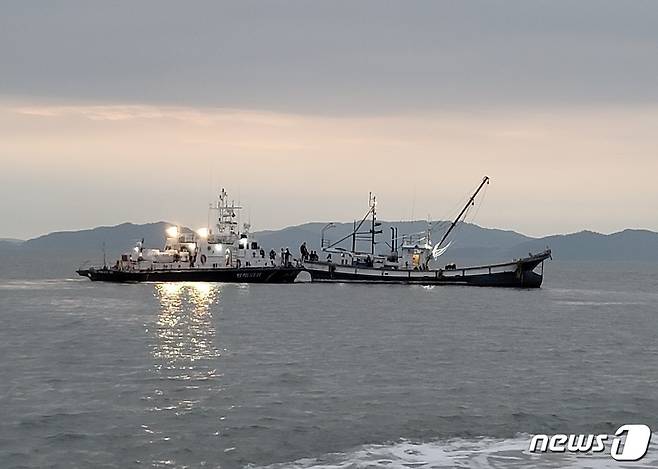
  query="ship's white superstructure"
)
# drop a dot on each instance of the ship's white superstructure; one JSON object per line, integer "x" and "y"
{"x": 223, "y": 245}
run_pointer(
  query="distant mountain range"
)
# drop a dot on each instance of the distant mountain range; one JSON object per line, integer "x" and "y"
{"x": 116, "y": 238}
{"x": 10, "y": 242}
{"x": 473, "y": 242}
{"x": 60, "y": 253}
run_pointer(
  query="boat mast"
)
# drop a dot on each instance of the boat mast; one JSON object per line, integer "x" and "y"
{"x": 470, "y": 202}
{"x": 374, "y": 224}
{"x": 357, "y": 226}
{"x": 226, "y": 214}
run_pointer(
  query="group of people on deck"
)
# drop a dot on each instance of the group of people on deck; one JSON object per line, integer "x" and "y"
{"x": 306, "y": 255}
{"x": 286, "y": 259}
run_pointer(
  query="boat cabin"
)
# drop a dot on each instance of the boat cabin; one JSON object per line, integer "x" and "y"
{"x": 223, "y": 246}
{"x": 415, "y": 256}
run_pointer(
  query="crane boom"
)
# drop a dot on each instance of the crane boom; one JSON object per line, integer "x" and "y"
{"x": 470, "y": 202}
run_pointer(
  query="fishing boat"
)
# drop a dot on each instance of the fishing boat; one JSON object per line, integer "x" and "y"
{"x": 225, "y": 252}
{"x": 411, "y": 258}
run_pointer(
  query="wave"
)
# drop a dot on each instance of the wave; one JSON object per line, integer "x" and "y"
{"x": 478, "y": 453}
{"x": 42, "y": 284}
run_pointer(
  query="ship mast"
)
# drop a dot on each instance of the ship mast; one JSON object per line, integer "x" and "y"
{"x": 357, "y": 235}
{"x": 470, "y": 202}
{"x": 225, "y": 216}
{"x": 373, "y": 223}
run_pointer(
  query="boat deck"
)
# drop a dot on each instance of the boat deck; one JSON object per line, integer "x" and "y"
{"x": 519, "y": 273}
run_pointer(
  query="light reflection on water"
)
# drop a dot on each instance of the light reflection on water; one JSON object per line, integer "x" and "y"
{"x": 185, "y": 329}
{"x": 185, "y": 344}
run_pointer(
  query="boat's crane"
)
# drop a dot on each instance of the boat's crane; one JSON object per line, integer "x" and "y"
{"x": 470, "y": 203}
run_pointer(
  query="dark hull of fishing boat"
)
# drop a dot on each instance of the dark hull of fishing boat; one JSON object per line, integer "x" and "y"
{"x": 522, "y": 273}
{"x": 235, "y": 275}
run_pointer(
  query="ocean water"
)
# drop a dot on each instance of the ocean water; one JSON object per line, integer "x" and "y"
{"x": 324, "y": 376}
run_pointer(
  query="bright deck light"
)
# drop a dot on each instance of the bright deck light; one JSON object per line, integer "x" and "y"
{"x": 172, "y": 231}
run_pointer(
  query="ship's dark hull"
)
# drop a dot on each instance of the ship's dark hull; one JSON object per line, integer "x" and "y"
{"x": 236, "y": 275}
{"x": 506, "y": 279}
{"x": 518, "y": 274}
{"x": 522, "y": 273}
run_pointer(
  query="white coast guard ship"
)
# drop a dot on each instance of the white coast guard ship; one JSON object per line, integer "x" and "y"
{"x": 224, "y": 252}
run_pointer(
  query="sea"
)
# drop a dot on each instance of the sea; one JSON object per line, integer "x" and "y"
{"x": 191, "y": 375}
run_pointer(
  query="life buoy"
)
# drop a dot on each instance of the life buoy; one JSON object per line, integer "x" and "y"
{"x": 203, "y": 259}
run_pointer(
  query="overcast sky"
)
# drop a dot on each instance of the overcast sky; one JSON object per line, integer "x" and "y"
{"x": 138, "y": 111}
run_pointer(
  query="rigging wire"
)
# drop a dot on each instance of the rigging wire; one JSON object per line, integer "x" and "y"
{"x": 468, "y": 212}
{"x": 480, "y": 203}
{"x": 454, "y": 212}
{"x": 471, "y": 209}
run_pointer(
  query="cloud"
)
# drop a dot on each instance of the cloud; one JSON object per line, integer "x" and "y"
{"x": 337, "y": 58}
{"x": 112, "y": 112}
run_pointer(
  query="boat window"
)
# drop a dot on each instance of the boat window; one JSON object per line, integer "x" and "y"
{"x": 254, "y": 245}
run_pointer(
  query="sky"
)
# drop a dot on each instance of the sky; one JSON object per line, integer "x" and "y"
{"x": 141, "y": 111}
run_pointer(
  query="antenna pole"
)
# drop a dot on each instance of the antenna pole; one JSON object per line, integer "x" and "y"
{"x": 470, "y": 202}
{"x": 372, "y": 225}
{"x": 354, "y": 232}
